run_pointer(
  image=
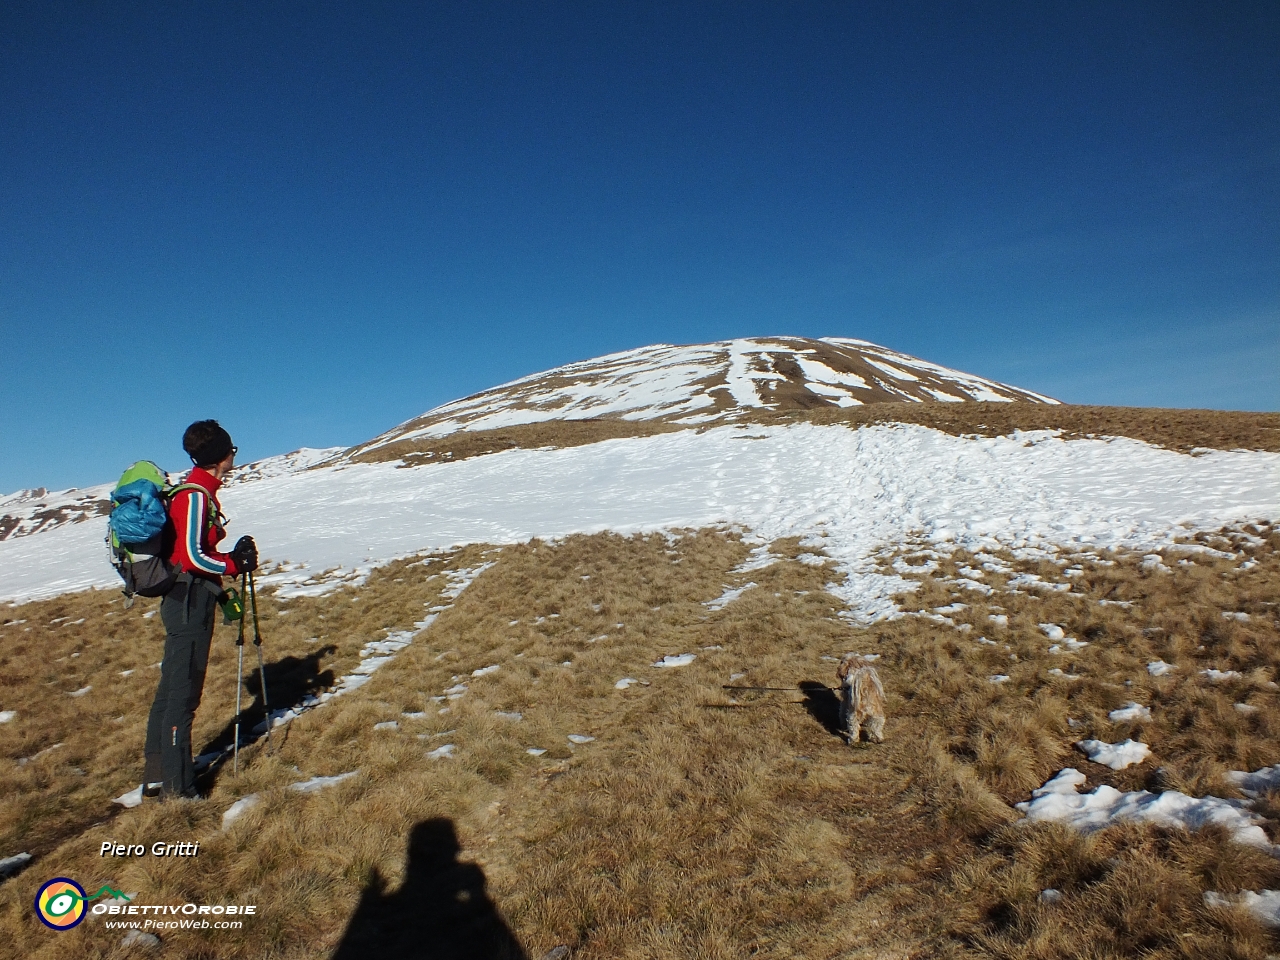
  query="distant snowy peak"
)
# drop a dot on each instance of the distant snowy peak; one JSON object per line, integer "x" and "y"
{"x": 33, "y": 511}
{"x": 282, "y": 465}
{"x": 709, "y": 382}
{"x": 40, "y": 511}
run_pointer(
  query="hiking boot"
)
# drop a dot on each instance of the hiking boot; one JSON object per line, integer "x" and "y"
{"x": 151, "y": 790}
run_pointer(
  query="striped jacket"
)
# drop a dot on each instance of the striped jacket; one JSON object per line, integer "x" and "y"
{"x": 195, "y": 549}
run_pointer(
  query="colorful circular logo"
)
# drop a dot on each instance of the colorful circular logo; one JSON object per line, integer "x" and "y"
{"x": 60, "y": 904}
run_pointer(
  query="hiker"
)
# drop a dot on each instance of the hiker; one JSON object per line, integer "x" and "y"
{"x": 188, "y": 609}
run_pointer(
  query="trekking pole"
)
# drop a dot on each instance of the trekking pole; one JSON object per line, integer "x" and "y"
{"x": 235, "y": 755}
{"x": 257, "y": 642}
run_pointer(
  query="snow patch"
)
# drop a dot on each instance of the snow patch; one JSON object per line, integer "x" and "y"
{"x": 319, "y": 783}
{"x": 131, "y": 799}
{"x": 1260, "y": 781}
{"x": 1129, "y": 712}
{"x": 730, "y": 594}
{"x": 11, "y": 865}
{"x": 239, "y": 809}
{"x": 1265, "y": 905}
{"x": 675, "y": 660}
{"x": 249, "y": 801}
{"x": 1059, "y": 800}
{"x": 1117, "y": 756}
{"x": 1219, "y": 676}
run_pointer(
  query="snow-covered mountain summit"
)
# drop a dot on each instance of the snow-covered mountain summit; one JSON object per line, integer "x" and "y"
{"x": 706, "y": 383}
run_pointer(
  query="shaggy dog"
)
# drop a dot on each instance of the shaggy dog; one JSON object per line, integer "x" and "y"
{"x": 861, "y": 699}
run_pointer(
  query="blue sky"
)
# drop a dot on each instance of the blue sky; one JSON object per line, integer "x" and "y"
{"x": 313, "y": 221}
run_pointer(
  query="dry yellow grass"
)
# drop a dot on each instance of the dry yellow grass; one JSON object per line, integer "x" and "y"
{"x": 1128, "y": 891}
{"x": 699, "y": 821}
{"x": 1181, "y": 430}
{"x": 476, "y": 443}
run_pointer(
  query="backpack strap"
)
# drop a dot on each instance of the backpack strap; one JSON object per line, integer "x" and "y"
{"x": 213, "y": 517}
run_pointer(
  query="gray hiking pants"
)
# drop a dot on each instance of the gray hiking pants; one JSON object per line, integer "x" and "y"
{"x": 188, "y": 612}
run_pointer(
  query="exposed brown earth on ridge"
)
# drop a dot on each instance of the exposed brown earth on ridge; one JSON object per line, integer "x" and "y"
{"x": 1174, "y": 429}
{"x": 532, "y": 436}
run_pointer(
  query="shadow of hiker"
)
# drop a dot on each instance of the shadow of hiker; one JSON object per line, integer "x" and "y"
{"x": 290, "y": 680}
{"x": 440, "y": 912}
{"x": 823, "y": 705}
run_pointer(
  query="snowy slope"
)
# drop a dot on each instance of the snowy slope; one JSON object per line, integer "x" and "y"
{"x": 710, "y": 382}
{"x": 34, "y": 511}
{"x": 39, "y": 511}
{"x": 689, "y": 385}
{"x": 857, "y": 493}
{"x": 325, "y": 517}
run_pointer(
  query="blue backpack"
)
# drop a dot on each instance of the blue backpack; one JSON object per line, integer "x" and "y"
{"x": 140, "y": 534}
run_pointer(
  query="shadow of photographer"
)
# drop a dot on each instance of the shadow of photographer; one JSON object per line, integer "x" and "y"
{"x": 441, "y": 911}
